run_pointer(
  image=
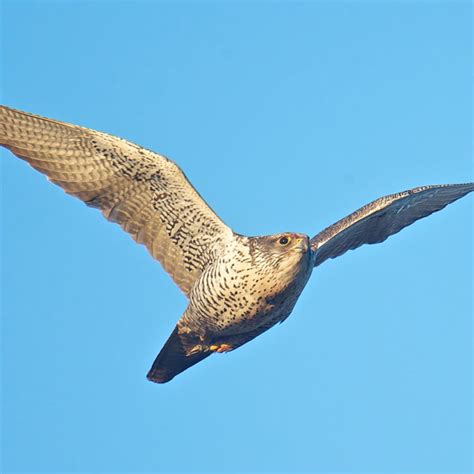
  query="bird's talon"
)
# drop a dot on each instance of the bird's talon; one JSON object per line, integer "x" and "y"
{"x": 220, "y": 348}
{"x": 194, "y": 350}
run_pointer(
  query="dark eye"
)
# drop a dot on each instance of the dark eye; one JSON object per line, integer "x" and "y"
{"x": 283, "y": 240}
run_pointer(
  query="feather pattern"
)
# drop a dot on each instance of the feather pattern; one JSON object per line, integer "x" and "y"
{"x": 378, "y": 220}
{"x": 144, "y": 192}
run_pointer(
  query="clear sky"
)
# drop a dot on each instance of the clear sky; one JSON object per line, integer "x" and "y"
{"x": 286, "y": 117}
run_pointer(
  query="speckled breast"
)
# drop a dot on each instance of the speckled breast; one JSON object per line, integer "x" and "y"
{"x": 240, "y": 293}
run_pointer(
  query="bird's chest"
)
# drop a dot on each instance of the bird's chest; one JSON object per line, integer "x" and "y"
{"x": 239, "y": 296}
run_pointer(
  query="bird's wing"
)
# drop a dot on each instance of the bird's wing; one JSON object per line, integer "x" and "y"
{"x": 384, "y": 217}
{"x": 146, "y": 193}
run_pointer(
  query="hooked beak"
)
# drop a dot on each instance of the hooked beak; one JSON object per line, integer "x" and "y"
{"x": 303, "y": 245}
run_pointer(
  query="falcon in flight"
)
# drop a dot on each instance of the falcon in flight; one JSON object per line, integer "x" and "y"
{"x": 237, "y": 286}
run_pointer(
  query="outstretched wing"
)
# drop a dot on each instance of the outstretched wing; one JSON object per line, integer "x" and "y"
{"x": 147, "y": 194}
{"x": 384, "y": 217}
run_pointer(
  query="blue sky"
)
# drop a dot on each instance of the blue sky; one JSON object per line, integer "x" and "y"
{"x": 285, "y": 116}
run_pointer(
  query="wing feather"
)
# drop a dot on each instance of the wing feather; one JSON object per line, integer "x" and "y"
{"x": 376, "y": 221}
{"x": 144, "y": 192}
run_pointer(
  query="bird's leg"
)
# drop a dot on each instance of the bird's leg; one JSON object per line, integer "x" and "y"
{"x": 213, "y": 348}
{"x": 194, "y": 342}
{"x": 220, "y": 347}
{"x": 195, "y": 349}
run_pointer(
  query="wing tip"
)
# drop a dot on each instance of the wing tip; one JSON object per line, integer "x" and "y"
{"x": 159, "y": 376}
{"x": 174, "y": 358}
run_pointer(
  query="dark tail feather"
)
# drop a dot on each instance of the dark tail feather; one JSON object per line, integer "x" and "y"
{"x": 173, "y": 360}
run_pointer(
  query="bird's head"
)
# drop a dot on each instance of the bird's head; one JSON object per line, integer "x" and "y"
{"x": 287, "y": 253}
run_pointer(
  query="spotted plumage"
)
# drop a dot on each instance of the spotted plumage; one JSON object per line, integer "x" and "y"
{"x": 237, "y": 286}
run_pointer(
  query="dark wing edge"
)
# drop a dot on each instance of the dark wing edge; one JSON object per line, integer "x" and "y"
{"x": 378, "y": 220}
{"x": 144, "y": 192}
{"x": 177, "y": 355}
{"x": 174, "y": 359}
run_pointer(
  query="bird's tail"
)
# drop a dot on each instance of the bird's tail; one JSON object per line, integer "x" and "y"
{"x": 174, "y": 359}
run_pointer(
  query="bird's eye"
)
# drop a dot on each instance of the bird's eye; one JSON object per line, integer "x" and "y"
{"x": 284, "y": 241}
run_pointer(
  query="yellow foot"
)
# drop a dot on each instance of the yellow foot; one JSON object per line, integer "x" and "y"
{"x": 220, "y": 348}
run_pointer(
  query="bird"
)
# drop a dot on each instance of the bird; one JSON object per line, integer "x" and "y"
{"x": 237, "y": 286}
